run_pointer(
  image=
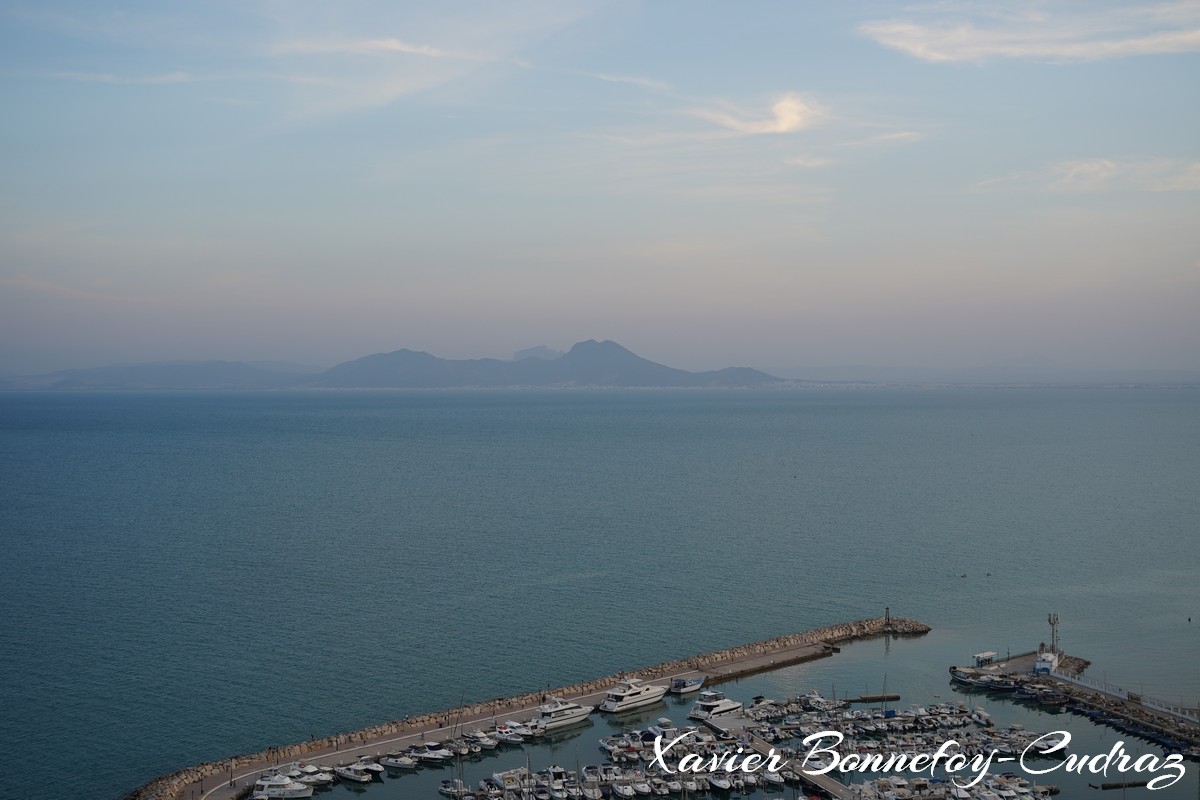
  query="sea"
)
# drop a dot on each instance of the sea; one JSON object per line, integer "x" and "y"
{"x": 192, "y": 575}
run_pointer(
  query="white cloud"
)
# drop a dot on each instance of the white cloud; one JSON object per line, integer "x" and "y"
{"x": 1104, "y": 174}
{"x": 789, "y": 114}
{"x": 973, "y": 32}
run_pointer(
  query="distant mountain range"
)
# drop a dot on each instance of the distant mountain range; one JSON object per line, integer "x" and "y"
{"x": 589, "y": 363}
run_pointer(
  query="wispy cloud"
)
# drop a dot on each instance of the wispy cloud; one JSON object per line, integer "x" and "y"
{"x": 883, "y": 139}
{"x": 974, "y": 32}
{"x": 1083, "y": 176}
{"x": 377, "y": 56}
{"x": 646, "y": 83}
{"x": 126, "y": 80}
{"x": 1103, "y": 174}
{"x": 809, "y": 162}
{"x": 789, "y": 114}
{"x": 373, "y": 47}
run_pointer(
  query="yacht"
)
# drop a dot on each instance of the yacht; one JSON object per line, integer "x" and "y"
{"x": 713, "y": 704}
{"x": 281, "y": 786}
{"x": 631, "y": 693}
{"x": 558, "y": 713}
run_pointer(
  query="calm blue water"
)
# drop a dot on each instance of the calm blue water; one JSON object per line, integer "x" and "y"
{"x": 190, "y": 575}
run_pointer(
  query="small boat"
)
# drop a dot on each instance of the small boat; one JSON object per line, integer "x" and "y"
{"x": 770, "y": 778}
{"x": 686, "y": 685}
{"x": 424, "y": 754}
{"x": 353, "y": 773}
{"x": 436, "y": 749}
{"x": 453, "y": 787}
{"x": 720, "y": 781}
{"x": 518, "y": 728}
{"x": 399, "y": 761}
{"x": 483, "y": 740}
{"x": 277, "y": 785}
{"x": 506, "y": 735}
{"x": 370, "y": 765}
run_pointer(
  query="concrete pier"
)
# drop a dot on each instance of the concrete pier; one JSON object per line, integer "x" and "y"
{"x": 230, "y": 778}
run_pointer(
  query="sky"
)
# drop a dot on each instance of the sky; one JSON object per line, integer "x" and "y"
{"x": 950, "y": 184}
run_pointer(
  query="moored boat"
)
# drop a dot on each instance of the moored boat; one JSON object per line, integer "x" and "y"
{"x": 713, "y": 704}
{"x": 281, "y": 786}
{"x": 559, "y": 713}
{"x": 631, "y": 693}
{"x": 685, "y": 685}
{"x": 353, "y": 773}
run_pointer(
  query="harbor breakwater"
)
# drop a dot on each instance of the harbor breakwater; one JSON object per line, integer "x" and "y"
{"x": 173, "y": 786}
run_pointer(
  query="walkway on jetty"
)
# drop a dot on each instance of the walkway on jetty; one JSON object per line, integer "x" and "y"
{"x": 229, "y": 778}
{"x": 831, "y": 787}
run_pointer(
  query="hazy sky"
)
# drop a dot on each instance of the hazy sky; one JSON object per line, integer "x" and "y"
{"x": 771, "y": 184}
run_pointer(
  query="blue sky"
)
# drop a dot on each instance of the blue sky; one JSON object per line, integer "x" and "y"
{"x": 946, "y": 184}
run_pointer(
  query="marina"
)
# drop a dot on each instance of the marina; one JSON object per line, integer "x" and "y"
{"x": 231, "y": 778}
{"x": 759, "y": 726}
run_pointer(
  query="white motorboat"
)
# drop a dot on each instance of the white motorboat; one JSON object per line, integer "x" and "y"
{"x": 483, "y": 740}
{"x": 399, "y": 761}
{"x": 422, "y": 753}
{"x": 277, "y": 785}
{"x": 631, "y": 693}
{"x": 711, "y": 704}
{"x": 624, "y": 790}
{"x": 637, "y": 779}
{"x": 686, "y": 685}
{"x": 559, "y": 713}
{"x": 435, "y": 752}
{"x": 353, "y": 773}
{"x": 719, "y": 781}
{"x": 518, "y": 728}
{"x": 319, "y": 778}
{"x": 370, "y": 765}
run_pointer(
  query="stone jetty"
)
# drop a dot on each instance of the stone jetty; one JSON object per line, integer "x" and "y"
{"x": 753, "y": 657}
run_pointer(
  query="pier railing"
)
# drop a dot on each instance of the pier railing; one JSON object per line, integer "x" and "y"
{"x": 1188, "y": 714}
